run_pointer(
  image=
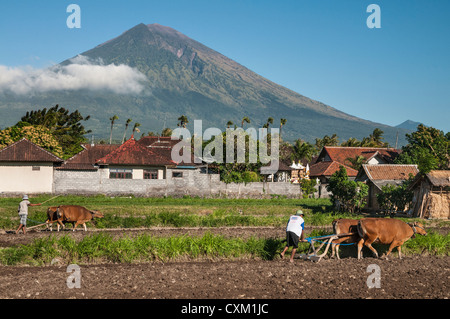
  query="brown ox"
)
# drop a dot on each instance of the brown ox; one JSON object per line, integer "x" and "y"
{"x": 52, "y": 217}
{"x": 76, "y": 214}
{"x": 344, "y": 226}
{"x": 393, "y": 232}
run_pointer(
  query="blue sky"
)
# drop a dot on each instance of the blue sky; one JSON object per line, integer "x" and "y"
{"x": 321, "y": 49}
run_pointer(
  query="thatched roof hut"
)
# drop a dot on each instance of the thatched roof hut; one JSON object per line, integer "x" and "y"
{"x": 431, "y": 195}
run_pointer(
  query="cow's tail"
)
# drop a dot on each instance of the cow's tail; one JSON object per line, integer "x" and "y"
{"x": 361, "y": 229}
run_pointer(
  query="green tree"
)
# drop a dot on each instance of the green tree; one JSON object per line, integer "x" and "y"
{"x": 127, "y": 123}
{"x": 113, "y": 120}
{"x": 64, "y": 125}
{"x": 393, "y": 198}
{"x": 245, "y": 119}
{"x": 327, "y": 141}
{"x": 167, "y": 132}
{"x": 135, "y": 128}
{"x": 375, "y": 139}
{"x": 350, "y": 195}
{"x": 351, "y": 142}
{"x": 428, "y": 148}
{"x": 183, "y": 121}
{"x": 268, "y": 123}
{"x": 303, "y": 151}
{"x": 282, "y": 123}
{"x": 37, "y": 134}
{"x": 357, "y": 162}
{"x": 308, "y": 187}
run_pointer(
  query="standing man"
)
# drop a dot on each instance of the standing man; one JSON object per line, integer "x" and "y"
{"x": 23, "y": 213}
{"x": 294, "y": 231}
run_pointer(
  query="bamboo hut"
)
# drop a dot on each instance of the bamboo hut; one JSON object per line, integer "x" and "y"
{"x": 431, "y": 195}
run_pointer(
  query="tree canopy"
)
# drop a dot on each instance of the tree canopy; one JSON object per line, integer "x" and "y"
{"x": 66, "y": 127}
{"x": 428, "y": 148}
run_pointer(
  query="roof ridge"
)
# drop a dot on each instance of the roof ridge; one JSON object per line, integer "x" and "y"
{"x": 363, "y": 147}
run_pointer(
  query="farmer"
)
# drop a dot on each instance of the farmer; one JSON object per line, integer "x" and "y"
{"x": 294, "y": 231}
{"x": 23, "y": 213}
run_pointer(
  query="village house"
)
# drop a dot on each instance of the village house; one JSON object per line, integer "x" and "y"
{"x": 26, "y": 168}
{"x": 377, "y": 176}
{"x": 143, "y": 168}
{"x": 283, "y": 174}
{"x": 431, "y": 195}
{"x": 331, "y": 158}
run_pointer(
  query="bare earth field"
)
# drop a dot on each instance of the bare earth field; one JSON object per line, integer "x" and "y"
{"x": 413, "y": 277}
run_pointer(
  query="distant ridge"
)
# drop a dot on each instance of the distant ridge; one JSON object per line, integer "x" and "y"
{"x": 409, "y": 125}
{"x": 187, "y": 78}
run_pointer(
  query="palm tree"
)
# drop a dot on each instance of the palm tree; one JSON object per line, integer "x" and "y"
{"x": 282, "y": 123}
{"x": 357, "y": 162}
{"x": 135, "y": 127}
{"x": 303, "y": 150}
{"x": 327, "y": 141}
{"x": 126, "y": 128}
{"x": 167, "y": 132}
{"x": 229, "y": 123}
{"x": 351, "y": 142}
{"x": 183, "y": 121}
{"x": 246, "y": 120}
{"x": 113, "y": 120}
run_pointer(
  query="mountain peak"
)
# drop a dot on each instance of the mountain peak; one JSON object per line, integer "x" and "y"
{"x": 186, "y": 77}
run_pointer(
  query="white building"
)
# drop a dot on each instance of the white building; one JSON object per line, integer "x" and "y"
{"x": 26, "y": 168}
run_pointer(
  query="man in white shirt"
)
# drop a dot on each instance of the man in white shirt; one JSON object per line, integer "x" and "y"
{"x": 23, "y": 213}
{"x": 294, "y": 231}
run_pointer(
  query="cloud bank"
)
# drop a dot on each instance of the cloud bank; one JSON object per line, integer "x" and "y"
{"x": 81, "y": 74}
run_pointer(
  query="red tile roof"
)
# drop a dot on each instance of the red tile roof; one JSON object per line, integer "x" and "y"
{"x": 390, "y": 171}
{"x": 341, "y": 154}
{"x": 26, "y": 151}
{"x": 163, "y": 145}
{"x": 329, "y": 168}
{"x": 86, "y": 159}
{"x": 133, "y": 153}
{"x": 158, "y": 141}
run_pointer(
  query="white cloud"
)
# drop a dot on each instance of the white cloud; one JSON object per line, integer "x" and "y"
{"x": 82, "y": 73}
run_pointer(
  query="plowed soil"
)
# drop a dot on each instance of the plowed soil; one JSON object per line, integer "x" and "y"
{"x": 419, "y": 277}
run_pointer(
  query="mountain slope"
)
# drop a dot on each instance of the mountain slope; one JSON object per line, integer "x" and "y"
{"x": 186, "y": 77}
{"x": 409, "y": 125}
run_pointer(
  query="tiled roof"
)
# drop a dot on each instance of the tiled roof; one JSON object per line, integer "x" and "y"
{"x": 86, "y": 159}
{"x": 133, "y": 153}
{"x": 389, "y": 172}
{"x": 158, "y": 141}
{"x": 26, "y": 151}
{"x": 163, "y": 145}
{"x": 341, "y": 154}
{"x": 329, "y": 168}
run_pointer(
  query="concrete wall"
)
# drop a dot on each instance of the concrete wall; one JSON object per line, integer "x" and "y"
{"x": 193, "y": 183}
{"x": 26, "y": 178}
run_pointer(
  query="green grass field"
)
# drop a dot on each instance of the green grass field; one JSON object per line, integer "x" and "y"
{"x": 130, "y": 212}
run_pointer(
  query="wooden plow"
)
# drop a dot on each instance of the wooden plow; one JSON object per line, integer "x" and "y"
{"x": 35, "y": 226}
{"x": 314, "y": 253}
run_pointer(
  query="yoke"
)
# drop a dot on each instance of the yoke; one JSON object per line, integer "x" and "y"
{"x": 313, "y": 252}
